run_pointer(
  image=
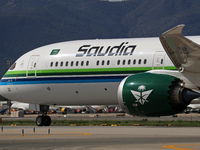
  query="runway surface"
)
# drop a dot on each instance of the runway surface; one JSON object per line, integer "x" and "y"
{"x": 100, "y": 137}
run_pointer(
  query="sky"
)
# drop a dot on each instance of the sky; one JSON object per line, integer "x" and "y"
{"x": 114, "y": 0}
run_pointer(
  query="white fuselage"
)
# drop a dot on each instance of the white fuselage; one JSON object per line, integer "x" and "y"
{"x": 84, "y": 72}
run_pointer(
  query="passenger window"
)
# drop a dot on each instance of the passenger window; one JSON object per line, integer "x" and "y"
{"x": 51, "y": 64}
{"x": 118, "y": 62}
{"x": 82, "y": 63}
{"x": 56, "y": 64}
{"x": 66, "y": 64}
{"x": 102, "y": 63}
{"x": 124, "y": 61}
{"x": 76, "y": 63}
{"x": 97, "y": 62}
{"x": 129, "y": 62}
{"x": 161, "y": 61}
{"x": 72, "y": 63}
{"x": 145, "y": 61}
{"x": 139, "y": 62}
{"x": 108, "y": 62}
{"x": 87, "y": 63}
{"x": 61, "y": 63}
{"x": 134, "y": 61}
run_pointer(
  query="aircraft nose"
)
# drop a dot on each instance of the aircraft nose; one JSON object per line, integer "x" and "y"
{"x": 1, "y": 97}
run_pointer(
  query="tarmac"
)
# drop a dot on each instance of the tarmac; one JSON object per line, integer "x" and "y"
{"x": 97, "y": 137}
{"x": 101, "y": 137}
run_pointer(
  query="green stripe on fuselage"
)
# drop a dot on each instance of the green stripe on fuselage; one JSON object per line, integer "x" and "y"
{"x": 15, "y": 74}
{"x": 170, "y": 68}
{"x": 165, "y": 68}
{"x": 92, "y": 71}
{"x": 99, "y": 71}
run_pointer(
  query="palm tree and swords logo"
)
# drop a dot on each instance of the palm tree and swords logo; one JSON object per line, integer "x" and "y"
{"x": 141, "y": 95}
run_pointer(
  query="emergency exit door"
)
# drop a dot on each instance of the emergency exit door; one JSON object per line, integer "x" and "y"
{"x": 158, "y": 61}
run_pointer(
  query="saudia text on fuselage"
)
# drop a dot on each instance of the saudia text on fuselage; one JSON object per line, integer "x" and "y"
{"x": 122, "y": 50}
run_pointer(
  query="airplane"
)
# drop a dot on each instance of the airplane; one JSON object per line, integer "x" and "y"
{"x": 145, "y": 76}
{"x": 194, "y": 106}
{"x": 92, "y": 108}
{"x": 19, "y": 106}
{"x": 25, "y": 106}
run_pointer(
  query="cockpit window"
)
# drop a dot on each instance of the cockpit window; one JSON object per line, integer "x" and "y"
{"x": 13, "y": 66}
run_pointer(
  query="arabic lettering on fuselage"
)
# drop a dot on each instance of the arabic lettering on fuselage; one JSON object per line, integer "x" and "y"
{"x": 121, "y": 50}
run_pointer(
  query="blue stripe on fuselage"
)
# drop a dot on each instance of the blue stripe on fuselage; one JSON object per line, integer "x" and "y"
{"x": 59, "y": 80}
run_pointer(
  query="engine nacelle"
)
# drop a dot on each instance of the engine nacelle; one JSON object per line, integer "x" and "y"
{"x": 148, "y": 94}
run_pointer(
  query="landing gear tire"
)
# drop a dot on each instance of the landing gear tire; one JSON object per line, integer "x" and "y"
{"x": 47, "y": 121}
{"x": 39, "y": 120}
{"x": 43, "y": 121}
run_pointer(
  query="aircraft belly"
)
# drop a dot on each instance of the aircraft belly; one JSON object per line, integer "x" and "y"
{"x": 70, "y": 94}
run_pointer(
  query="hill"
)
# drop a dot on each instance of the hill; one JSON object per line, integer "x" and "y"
{"x": 28, "y": 24}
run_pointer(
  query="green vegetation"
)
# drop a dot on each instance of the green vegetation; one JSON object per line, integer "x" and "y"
{"x": 179, "y": 123}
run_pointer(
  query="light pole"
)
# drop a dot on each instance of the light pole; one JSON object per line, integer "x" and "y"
{"x": 9, "y": 101}
{"x": 9, "y": 63}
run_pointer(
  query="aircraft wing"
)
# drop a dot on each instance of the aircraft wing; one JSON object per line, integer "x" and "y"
{"x": 184, "y": 53}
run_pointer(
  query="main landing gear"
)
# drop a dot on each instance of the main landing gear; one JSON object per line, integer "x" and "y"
{"x": 43, "y": 120}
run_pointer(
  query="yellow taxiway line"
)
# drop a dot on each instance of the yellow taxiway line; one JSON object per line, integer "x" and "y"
{"x": 179, "y": 147}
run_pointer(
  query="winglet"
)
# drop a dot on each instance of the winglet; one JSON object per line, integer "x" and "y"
{"x": 183, "y": 52}
{"x": 169, "y": 44}
{"x": 176, "y": 30}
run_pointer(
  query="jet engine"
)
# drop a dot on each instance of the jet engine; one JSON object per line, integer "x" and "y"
{"x": 148, "y": 94}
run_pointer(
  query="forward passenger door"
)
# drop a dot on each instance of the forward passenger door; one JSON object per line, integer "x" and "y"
{"x": 32, "y": 66}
